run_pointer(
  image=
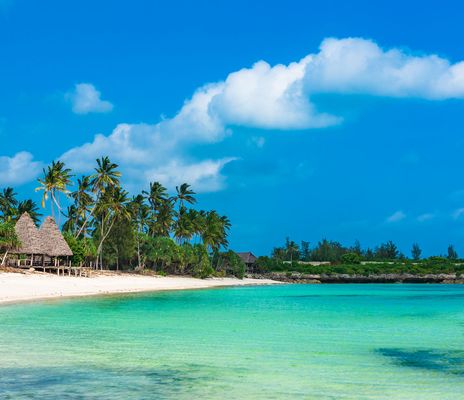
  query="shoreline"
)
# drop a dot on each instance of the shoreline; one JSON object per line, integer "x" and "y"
{"x": 30, "y": 287}
{"x": 296, "y": 277}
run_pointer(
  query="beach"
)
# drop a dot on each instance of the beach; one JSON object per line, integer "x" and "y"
{"x": 19, "y": 287}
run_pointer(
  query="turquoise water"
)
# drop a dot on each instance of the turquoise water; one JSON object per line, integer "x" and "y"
{"x": 281, "y": 342}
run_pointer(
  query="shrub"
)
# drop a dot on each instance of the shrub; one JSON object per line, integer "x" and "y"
{"x": 351, "y": 258}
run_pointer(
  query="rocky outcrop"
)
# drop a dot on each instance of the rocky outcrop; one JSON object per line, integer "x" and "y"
{"x": 296, "y": 277}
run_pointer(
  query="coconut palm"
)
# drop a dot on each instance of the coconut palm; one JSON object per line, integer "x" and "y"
{"x": 164, "y": 220}
{"x": 291, "y": 249}
{"x": 184, "y": 195}
{"x": 105, "y": 177}
{"x": 8, "y": 203}
{"x": 30, "y": 207}
{"x": 8, "y": 239}
{"x": 113, "y": 206}
{"x": 141, "y": 216}
{"x": 82, "y": 201}
{"x": 56, "y": 179}
{"x": 184, "y": 227}
{"x": 156, "y": 195}
{"x": 215, "y": 231}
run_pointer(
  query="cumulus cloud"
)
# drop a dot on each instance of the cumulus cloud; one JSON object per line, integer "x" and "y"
{"x": 20, "y": 168}
{"x": 85, "y": 98}
{"x": 269, "y": 97}
{"x": 159, "y": 151}
{"x": 356, "y": 65}
{"x": 396, "y": 217}
{"x": 262, "y": 96}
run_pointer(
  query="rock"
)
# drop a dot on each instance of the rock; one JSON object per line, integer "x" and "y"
{"x": 31, "y": 269}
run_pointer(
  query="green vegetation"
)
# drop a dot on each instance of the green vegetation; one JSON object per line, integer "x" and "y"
{"x": 384, "y": 259}
{"x": 8, "y": 240}
{"x": 106, "y": 228}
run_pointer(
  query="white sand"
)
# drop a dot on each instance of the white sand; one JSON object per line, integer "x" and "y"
{"x": 15, "y": 287}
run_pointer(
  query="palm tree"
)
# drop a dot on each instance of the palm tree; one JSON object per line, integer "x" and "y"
{"x": 113, "y": 206}
{"x": 55, "y": 180}
{"x": 156, "y": 195}
{"x": 184, "y": 227}
{"x": 72, "y": 219}
{"x": 291, "y": 249}
{"x": 184, "y": 195}
{"x": 215, "y": 231}
{"x": 105, "y": 177}
{"x": 31, "y": 208}
{"x": 164, "y": 220}
{"x": 140, "y": 213}
{"x": 8, "y": 239}
{"x": 82, "y": 201}
{"x": 8, "y": 203}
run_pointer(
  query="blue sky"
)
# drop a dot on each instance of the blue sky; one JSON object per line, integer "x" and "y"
{"x": 350, "y": 129}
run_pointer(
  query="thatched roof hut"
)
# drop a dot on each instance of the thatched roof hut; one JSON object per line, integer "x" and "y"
{"x": 28, "y": 234}
{"x": 53, "y": 242}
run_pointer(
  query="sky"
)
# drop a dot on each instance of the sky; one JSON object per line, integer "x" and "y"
{"x": 334, "y": 119}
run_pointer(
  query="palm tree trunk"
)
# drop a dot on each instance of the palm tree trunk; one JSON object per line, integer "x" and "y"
{"x": 88, "y": 216}
{"x": 4, "y": 257}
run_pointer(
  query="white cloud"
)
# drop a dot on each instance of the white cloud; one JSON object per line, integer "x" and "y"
{"x": 148, "y": 152}
{"x": 425, "y": 217}
{"x": 396, "y": 217}
{"x": 269, "y": 97}
{"x": 85, "y": 98}
{"x": 20, "y": 168}
{"x": 262, "y": 96}
{"x": 356, "y": 65}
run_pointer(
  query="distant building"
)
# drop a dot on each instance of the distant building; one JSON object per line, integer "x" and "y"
{"x": 249, "y": 259}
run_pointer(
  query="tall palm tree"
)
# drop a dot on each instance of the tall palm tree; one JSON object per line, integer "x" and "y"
{"x": 82, "y": 201}
{"x": 105, "y": 177}
{"x": 113, "y": 206}
{"x": 215, "y": 231}
{"x": 72, "y": 219}
{"x": 184, "y": 227}
{"x": 8, "y": 203}
{"x": 164, "y": 219}
{"x": 156, "y": 195}
{"x": 56, "y": 179}
{"x": 184, "y": 195}
{"x": 141, "y": 216}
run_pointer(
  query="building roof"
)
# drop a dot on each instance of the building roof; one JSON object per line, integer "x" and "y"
{"x": 28, "y": 235}
{"x": 53, "y": 243}
{"x": 247, "y": 257}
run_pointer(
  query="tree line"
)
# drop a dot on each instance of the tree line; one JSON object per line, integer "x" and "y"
{"x": 335, "y": 252}
{"x": 107, "y": 228}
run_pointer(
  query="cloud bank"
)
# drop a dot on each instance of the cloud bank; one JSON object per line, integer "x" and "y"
{"x": 85, "y": 98}
{"x": 262, "y": 97}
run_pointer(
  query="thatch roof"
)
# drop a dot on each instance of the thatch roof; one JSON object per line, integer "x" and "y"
{"x": 28, "y": 234}
{"x": 53, "y": 243}
{"x": 247, "y": 257}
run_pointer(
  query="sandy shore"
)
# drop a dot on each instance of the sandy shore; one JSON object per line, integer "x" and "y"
{"x": 16, "y": 287}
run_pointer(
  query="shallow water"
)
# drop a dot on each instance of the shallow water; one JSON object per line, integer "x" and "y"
{"x": 275, "y": 342}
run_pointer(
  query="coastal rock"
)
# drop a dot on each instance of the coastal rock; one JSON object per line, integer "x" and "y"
{"x": 296, "y": 277}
